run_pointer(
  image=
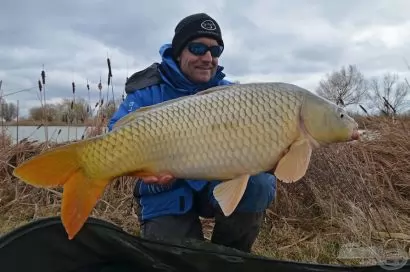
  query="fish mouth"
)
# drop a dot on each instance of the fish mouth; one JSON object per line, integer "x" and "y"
{"x": 355, "y": 135}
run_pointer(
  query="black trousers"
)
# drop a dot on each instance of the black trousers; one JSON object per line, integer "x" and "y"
{"x": 238, "y": 231}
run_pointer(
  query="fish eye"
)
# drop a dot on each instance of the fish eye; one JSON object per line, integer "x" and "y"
{"x": 342, "y": 115}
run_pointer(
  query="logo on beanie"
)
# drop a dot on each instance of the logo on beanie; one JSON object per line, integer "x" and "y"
{"x": 208, "y": 25}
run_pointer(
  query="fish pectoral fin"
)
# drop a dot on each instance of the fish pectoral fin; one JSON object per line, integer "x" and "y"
{"x": 295, "y": 162}
{"x": 80, "y": 195}
{"x": 229, "y": 193}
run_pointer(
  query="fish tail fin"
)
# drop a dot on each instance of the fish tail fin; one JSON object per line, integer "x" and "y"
{"x": 61, "y": 166}
{"x": 50, "y": 168}
{"x": 80, "y": 196}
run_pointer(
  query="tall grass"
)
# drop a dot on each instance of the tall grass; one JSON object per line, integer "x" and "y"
{"x": 352, "y": 193}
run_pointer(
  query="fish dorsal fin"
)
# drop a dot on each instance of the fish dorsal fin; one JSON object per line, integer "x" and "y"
{"x": 131, "y": 117}
{"x": 213, "y": 89}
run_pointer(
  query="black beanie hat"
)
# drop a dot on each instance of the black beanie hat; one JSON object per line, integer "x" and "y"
{"x": 194, "y": 26}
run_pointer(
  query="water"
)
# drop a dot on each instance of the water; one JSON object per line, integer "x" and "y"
{"x": 57, "y": 134}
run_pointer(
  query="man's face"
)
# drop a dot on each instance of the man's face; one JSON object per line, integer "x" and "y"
{"x": 199, "y": 69}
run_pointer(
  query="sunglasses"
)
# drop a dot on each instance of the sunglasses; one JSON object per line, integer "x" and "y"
{"x": 200, "y": 49}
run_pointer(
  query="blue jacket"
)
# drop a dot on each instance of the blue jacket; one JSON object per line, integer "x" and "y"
{"x": 161, "y": 82}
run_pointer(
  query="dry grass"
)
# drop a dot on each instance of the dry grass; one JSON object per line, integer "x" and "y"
{"x": 353, "y": 193}
{"x": 350, "y": 194}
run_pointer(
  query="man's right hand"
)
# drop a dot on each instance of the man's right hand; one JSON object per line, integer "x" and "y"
{"x": 161, "y": 179}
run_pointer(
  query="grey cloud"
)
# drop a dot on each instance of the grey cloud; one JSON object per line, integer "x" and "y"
{"x": 320, "y": 53}
{"x": 360, "y": 13}
{"x": 293, "y": 40}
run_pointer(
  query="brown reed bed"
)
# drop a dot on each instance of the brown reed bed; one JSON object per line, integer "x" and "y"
{"x": 353, "y": 193}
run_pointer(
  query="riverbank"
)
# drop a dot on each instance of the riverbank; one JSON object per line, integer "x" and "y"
{"x": 56, "y": 131}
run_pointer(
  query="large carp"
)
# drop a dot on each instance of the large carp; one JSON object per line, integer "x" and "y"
{"x": 224, "y": 133}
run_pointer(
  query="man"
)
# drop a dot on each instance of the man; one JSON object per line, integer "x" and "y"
{"x": 169, "y": 207}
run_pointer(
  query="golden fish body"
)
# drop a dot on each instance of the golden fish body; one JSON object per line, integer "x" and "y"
{"x": 236, "y": 130}
{"x": 224, "y": 133}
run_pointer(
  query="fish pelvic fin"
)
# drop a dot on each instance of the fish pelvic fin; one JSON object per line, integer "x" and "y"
{"x": 229, "y": 193}
{"x": 294, "y": 164}
{"x": 80, "y": 196}
{"x": 50, "y": 168}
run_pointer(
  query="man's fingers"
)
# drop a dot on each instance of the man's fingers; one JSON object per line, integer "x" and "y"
{"x": 163, "y": 179}
{"x": 151, "y": 179}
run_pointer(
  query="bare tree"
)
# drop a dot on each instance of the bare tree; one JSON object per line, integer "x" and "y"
{"x": 37, "y": 113}
{"x": 388, "y": 93}
{"x": 8, "y": 111}
{"x": 108, "y": 110}
{"x": 345, "y": 87}
{"x": 74, "y": 110}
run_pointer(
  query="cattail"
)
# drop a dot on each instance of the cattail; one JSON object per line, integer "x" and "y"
{"x": 388, "y": 105}
{"x": 40, "y": 87}
{"x": 73, "y": 85}
{"x": 109, "y": 67}
{"x": 43, "y": 76}
{"x": 363, "y": 109}
{"x": 89, "y": 98}
{"x": 109, "y": 71}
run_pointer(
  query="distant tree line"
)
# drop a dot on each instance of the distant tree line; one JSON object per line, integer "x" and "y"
{"x": 67, "y": 111}
{"x": 386, "y": 95}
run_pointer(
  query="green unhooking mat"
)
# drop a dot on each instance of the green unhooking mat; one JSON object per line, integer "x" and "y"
{"x": 102, "y": 247}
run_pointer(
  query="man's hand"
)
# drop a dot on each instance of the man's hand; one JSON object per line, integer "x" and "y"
{"x": 161, "y": 179}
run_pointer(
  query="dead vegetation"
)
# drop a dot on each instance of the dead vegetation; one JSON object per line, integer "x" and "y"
{"x": 353, "y": 193}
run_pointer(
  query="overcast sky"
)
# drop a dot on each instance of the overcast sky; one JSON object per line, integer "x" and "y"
{"x": 296, "y": 41}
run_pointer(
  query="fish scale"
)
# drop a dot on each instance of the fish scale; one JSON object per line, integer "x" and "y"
{"x": 241, "y": 119}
